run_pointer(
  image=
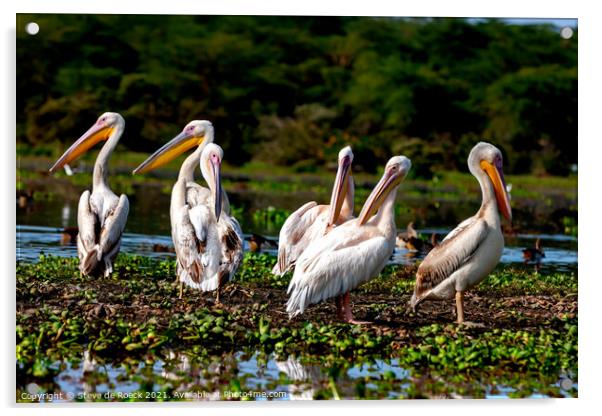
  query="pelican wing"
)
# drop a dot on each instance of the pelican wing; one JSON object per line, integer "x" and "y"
{"x": 453, "y": 252}
{"x": 341, "y": 261}
{"x": 87, "y": 223}
{"x": 190, "y": 243}
{"x": 196, "y": 194}
{"x": 230, "y": 237}
{"x": 197, "y": 252}
{"x": 296, "y": 233}
{"x": 89, "y": 229}
{"x": 114, "y": 224}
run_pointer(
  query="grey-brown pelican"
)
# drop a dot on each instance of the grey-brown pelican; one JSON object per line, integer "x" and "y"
{"x": 353, "y": 252}
{"x": 208, "y": 241}
{"x": 473, "y": 249}
{"x": 101, "y": 215}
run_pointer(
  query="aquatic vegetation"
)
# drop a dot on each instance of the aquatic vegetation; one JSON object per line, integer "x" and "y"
{"x": 512, "y": 281}
{"x": 134, "y": 317}
{"x": 257, "y": 268}
{"x": 270, "y": 218}
{"x": 570, "y": 226}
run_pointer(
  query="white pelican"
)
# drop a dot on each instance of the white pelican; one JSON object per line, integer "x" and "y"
{"x": 352, "y": 253}
{"x": 312, "y": 221}
{"x": 472, "y": 250}
{"x": 207, "y": 240}
{"x": 101, "y": 215}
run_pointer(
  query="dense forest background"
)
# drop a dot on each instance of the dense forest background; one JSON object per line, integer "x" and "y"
{"x": 293, "y": 90}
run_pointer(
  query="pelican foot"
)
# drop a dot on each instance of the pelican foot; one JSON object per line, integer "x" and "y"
{"x": 469, "y": 324}
{"x": 244, "y": 292}
{"x": 108, "y": 267}
{"x": 355, "y": 322}
{"x": 217, "y": 301}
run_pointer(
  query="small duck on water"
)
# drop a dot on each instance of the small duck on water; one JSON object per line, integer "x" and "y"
{"x": 534, "y": 255}
{"x": 69, "y": 236}
{"x": 411, "y": 240}
{"x": 257, "y": 241}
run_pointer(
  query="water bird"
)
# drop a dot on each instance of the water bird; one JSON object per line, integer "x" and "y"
{"x": 472, "y": 250}
{"x": 312, "y": 221}
{"x": 25, "y": 198}
{"x": 163, "y": 248}
{"x": 353, "y": 252}
{"x": 69, "y": 235}
{"x": 101, "y": 215}
{"x": 411, "y": 240}
{"x": 207, "y": 240}
{"x": 257, "y": 241}
{"x": 534, "y": 255}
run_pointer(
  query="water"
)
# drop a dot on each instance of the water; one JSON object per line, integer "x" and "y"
{"x": 181, "y": 377}
{"x": 560, "y": 250}
{"x": 147, "y": 230}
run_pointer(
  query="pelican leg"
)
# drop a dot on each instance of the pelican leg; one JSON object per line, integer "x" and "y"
{"x": 339, "y": 302}
{"x": 347, "y": 310}
{"x": 219, "y": 290}
{"x": 460, "y": 306}
{"x": 109, "y": 257}
{"x": 108, "y": 267}
{"x": 460, "y": 309}
{"x": 181, "y": 290}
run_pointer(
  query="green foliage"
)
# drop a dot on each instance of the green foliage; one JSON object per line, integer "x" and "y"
{"x": 270, "y": 218}
{"x": 257, "y": 267}
{"x": 293, "y": 90}
{"x": 450, "y": 349}
{"x": 508, "y": 281}
{"x": 536, "y": 109}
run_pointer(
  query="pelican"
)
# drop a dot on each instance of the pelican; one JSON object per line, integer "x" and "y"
{"x": 312, "y": 221}
{"x": 207, "y": 240}
{"x": 101, "y": 215}
{"x": 352, "y": 253}
{"x": 472, "y": 250}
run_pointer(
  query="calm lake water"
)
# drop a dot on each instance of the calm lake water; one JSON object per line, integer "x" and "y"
{"x": 257, "y": 378}
{"x": 560, "y": 250}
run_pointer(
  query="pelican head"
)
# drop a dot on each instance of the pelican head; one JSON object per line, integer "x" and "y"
{"x": 196, "y": 133}
{"x": 396, "y": 170}
{"x": 101, "y": 130}
{"x": 487, "y": 158}
{"x": 211, "y": 166}
{"x": 339, "y": 190}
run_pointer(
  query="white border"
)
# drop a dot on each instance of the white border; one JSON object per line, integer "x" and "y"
{"x": 590, "y": 92}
